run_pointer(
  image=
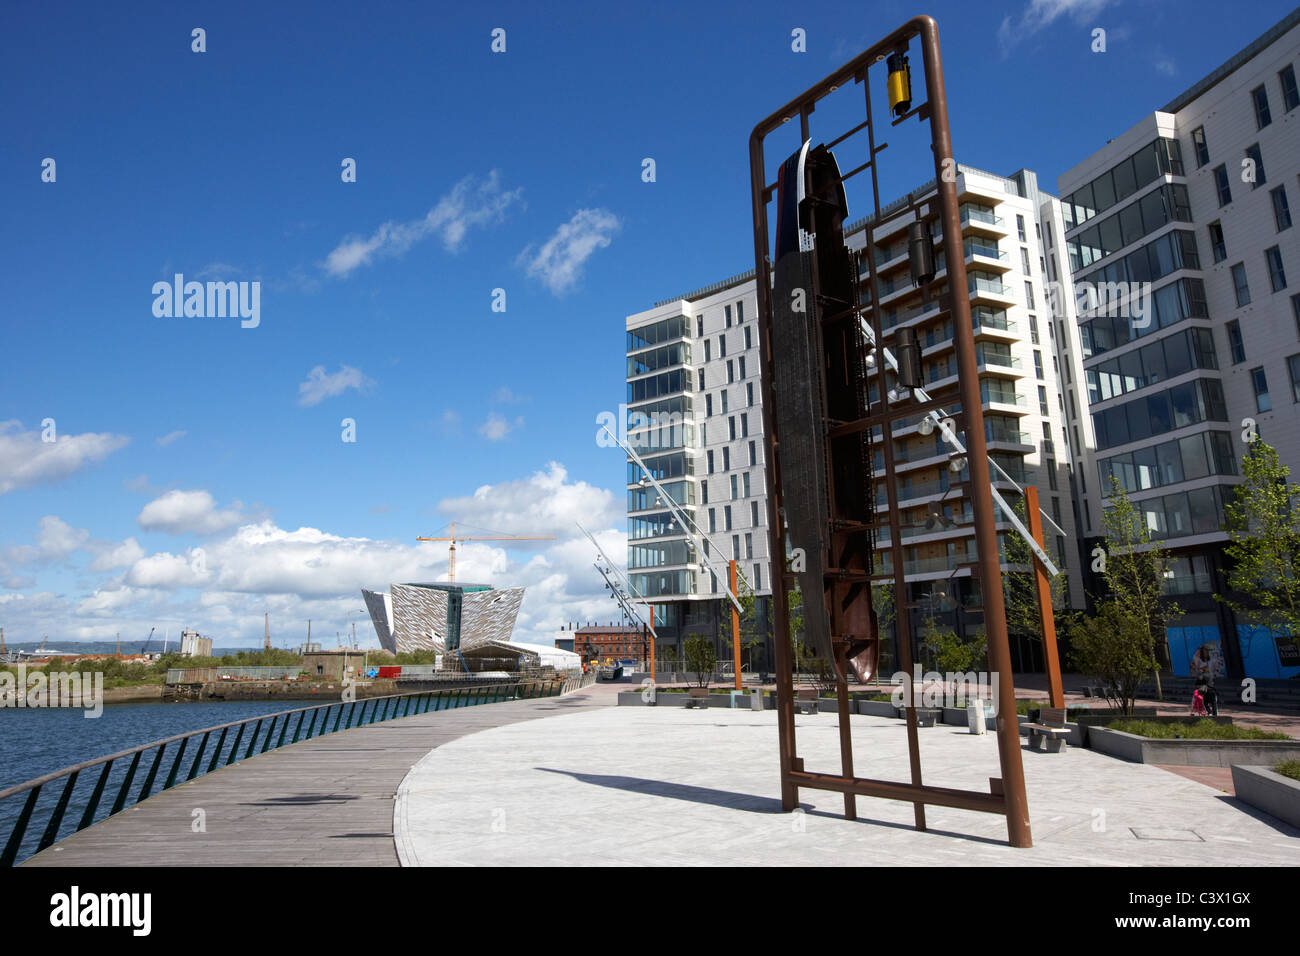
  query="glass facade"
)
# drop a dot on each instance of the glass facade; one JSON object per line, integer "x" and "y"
{"x": 1187, "y": 404}
{"x": 1184, "y": 459}
{"x": 1168, "y": 358}
{"x": 1159, "y": 158}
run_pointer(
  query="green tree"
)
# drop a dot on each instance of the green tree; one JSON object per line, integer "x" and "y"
{"x": 700, "y": 659}
{"x": 1113, "y": 646}
{"x": 882, "y": 602}
{"x": 1263, "y": 525}
{"x": 1134, "y": 570}
{"x": 947, "y": 652}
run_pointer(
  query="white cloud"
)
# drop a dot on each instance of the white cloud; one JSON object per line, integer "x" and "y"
{"x": 177, "y": 512}
{"x": 546, "y": 502}
{"x": 497, "y": 427}
{"x": 58, "y": 539}
{"x": 170, "y": 437}
{"x": 105, "y": 602}
{"x": 470, "y": 204}
{"x": 559, "y": 261}
{"x": 111, "y": 556}
{"x": 25, "y": 460}
{"x": 1040, "y": 14}
{"x": 321, "y": 385}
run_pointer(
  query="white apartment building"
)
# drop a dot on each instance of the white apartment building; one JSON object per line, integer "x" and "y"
{"x": 1188, "y": 215}
{"x": 694, "y": 415}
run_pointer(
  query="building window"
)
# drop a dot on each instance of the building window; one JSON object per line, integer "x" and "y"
{"x": 1199, "y": 147}
{"x": 1051, "y": 475}
{"x": 700, "y": 377}
{"x": 710, "y": 461}
{"x": 1240, "y": 283}
{"x": 1256, "y": 158}
{"x": 726, "y": 459}
{"x": 1033, "y": 329}
{"x": 1293, "y": 366}
{"x": 1236, "y": 345}
{"x": 1290, "y": 95}
{"x": 1259, "y": 96}
{"x": 744, "y": 424}
{"x": 734, "y": 488}
{"x": 742, "y": 366}
{"x": 753, "y": 514}
{"x": 731, "y": 425}
{"x": 726, "y": 516}
{"x": 1260, "y": 383}
{"x": 1281, "y": 208}
{"x": 731, "y": 373}
{"x": 746, "y": 484}
{"x": 713, "y": 521}
{"x": 749, "y": 546}
{"x": 1024, "y": 261}
{"x": 753, "y": 452}
{"x": 1029, "y": 295}
{"x": 708, "y": 405}
{"x": 1042, "y": 401}
{"x": 749, "y": 338}
{"x": 704, "y": 492}
{"x": 727, "y": 310}
{"x": 723, "y": 394}
{"x": 740, "y": 312}
{"x": 1295, "y": 312}
{"x": 722, "y": 346}
{"x": 1221, "y": 184}
{"x": 758, "y": 577}
{"x": 1038, "y": 363}
{"x": 708, "y": 355}
{"x": 699, "y": 326}
{"x": 1020, "y": 225}
{"x": 1276, "y": 274}
{"x": 749, "y": 391}
{"x": 1217, "y": 245}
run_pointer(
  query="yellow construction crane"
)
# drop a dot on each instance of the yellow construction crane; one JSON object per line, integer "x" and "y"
{"x": 454, "y": 537}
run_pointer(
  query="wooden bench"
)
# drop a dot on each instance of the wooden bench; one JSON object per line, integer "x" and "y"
{"x": 805, "y": 700}
{"x": 698, "y": 697}
{"x": 1050, "y": 732}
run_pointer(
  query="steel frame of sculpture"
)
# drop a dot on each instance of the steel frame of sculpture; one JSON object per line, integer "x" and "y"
{"x": 1007, "y": 793}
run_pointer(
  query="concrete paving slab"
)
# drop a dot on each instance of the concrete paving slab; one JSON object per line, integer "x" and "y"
{"x": 638, "y": 786}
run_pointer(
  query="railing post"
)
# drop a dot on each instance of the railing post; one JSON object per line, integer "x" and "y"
{"x": 298, "y": 730}
{"x": 216, "y": 754}
{"x": 234, "y": 748}
{"x": 314, "y": 714}
{"x": 171, "y": 777}
{"x": 125, "y": 788}
{"x": 203, "y": 745}
{"x": 270, "y": 732}
{"x": 88, "y": 817}
{"x": 253, "y": 743}
{"x": 152, "y": 774}
{"x": 338, "y": 717}
{"x": 284, "y": 729}
{"x": 20, "y": 828}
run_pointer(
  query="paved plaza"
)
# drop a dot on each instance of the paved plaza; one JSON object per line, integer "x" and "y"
{"x": 669, "y": 786}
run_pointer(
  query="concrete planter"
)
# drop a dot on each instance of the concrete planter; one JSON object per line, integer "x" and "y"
{"x": 1192, "y": 753}
{"x": 1265, "y": 789}
{"x": 1087, "y": 721}
{"x": 877, "y": 708}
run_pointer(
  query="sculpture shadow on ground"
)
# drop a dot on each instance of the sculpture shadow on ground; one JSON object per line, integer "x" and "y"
{"x": 746, "y": 802}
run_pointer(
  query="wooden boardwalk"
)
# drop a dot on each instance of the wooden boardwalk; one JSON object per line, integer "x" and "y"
{"x": 322, "y": 802}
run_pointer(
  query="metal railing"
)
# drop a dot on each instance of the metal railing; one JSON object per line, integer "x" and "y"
{"x": 269, "y": 732}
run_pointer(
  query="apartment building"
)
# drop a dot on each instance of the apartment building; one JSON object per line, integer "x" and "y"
{"x": 694, "y": 415}
{"x": 1180, "y": 241}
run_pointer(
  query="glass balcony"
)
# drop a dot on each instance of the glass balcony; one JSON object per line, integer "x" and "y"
{"x": 976, "y": 214}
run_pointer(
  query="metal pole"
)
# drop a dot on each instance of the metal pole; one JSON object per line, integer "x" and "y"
{"x": 1051, "y": 659}
{"x": 995, "y": 621}
{"x": 735, "y": 623}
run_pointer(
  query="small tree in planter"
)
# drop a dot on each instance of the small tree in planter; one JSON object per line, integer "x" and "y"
{"x": 1114, "y": 646}
{"x": 1263, "y": 523}
{"x": 700, "y": 659}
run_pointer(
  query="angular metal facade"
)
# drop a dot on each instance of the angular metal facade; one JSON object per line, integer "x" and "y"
{"x": 414, "y": 617}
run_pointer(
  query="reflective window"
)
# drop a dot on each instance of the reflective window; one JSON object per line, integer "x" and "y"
{"x": 1199, "y": 147}
{"x": 1259, "y": 97}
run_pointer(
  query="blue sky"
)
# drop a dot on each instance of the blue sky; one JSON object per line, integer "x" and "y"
{"x": 475, "y": 171}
